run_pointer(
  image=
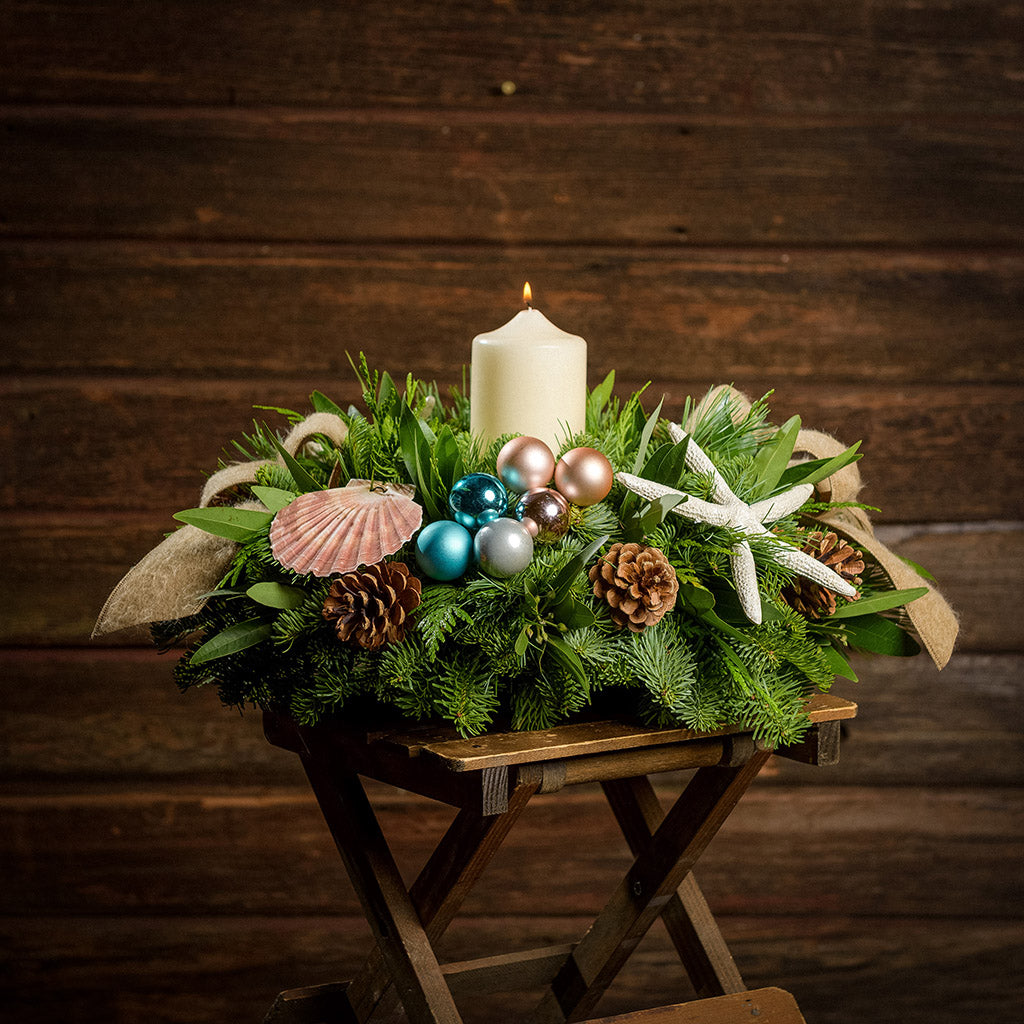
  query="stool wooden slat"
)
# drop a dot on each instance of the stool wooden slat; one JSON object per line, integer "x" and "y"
{"x": 491, "y": 780}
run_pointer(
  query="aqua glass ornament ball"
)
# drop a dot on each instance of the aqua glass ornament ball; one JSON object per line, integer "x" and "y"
{"x": 476, "y": 499}
{"x": 444, "y": 549}
{"x": 503, "y": 547}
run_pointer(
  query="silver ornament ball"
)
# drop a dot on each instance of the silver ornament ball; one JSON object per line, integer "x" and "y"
{"x": 524, "y": 463}
{"x": 503, "y": 547}
{"x": 584, "y": 476}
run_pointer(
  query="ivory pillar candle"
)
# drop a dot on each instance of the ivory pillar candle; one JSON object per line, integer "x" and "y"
{"x": 528, "y": 377}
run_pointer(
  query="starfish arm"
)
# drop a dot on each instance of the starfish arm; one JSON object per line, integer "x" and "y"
{"x": 645, "y": 488}
{"x": 692, "y": 508}
{"x": 704, "y": 512}
{"x": 810, "y": 568}
{"x": 770, "y": 509}
{"x": 744, "y": 575}
{"x": 676, "y": 432}
{"x": 698, "y": 462}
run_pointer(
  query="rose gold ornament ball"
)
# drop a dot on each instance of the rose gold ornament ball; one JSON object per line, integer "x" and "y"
{"x": 525, "y": 463}
{"x": 545, "y": 513}
{"x": 584, "y": 476}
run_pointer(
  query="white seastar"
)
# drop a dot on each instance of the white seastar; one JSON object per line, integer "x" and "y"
{"x": 727, "y": 510}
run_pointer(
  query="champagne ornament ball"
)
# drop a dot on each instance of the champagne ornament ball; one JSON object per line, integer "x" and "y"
{"x": 525, "y": 463}
{"x": 584, "y": 476}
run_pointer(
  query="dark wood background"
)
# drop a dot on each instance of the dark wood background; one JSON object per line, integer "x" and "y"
{"x": 204, "y": 205}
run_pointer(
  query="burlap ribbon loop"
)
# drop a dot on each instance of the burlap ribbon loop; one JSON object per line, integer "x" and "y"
{"x": 933, "y": 621}
{"x": 169, "y": 582}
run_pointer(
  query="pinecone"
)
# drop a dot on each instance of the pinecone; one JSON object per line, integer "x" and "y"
{"x": 638, "y": 582}
{"x": 370, "y": 606}
{"x": 812, "y": 599}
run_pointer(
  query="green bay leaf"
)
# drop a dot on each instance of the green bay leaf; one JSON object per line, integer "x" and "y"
{"x": 882, "y": 602}
{"x": 275, "y": 498}
{"x": 276, "y": 595}
{"x": 232, "y": 640}
{"x": 240, "y": 524}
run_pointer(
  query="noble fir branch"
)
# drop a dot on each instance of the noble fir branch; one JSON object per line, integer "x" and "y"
{"x": 594, "y": 521}
{"x": 663, "y": 662}
{"x": 408, "y": 676}
{"x": 776, "y": 712}
{"x": 442, "y": 610}
{"x": 328, "y": 696}
{"x": 596, "y": 646}
{"x": 542, "y": 700}
{"x": 296, "y": 624}
{"x": 466, "y": 697}
{"x": 495, "y": 641}
{"x": 785, "y": 646}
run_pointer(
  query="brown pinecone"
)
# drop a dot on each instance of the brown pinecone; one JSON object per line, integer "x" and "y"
{"x": 370, "y": 606}
{"x": 638, "y": 582}
{"x": 811, "y": 599}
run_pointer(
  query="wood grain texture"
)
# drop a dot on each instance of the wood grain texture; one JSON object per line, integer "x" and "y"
{"x": 931, "y": 453}
{"x": 301, "y": 176}
{"x": 204, "y": 205}
{"x": 839, "y": 317}
{"x": 707, "y": 59}
{"x": 494, "y": 749}
{"x": 203, "y": 850}
{"x": 121, "y": 717}
{"x": 770, "y": 1005}
{"x": 186, "y": 970}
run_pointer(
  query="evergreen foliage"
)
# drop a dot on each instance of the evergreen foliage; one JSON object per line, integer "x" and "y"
{"x": 538, "y": 648}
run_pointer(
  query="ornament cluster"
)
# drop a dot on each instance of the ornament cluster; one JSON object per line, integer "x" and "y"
{"x": 496, "y": 520}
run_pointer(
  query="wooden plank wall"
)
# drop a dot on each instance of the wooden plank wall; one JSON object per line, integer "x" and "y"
{"x": 203, "y": 205}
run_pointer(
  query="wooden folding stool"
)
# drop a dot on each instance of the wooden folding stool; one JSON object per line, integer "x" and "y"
{"x": 491, "y": 779}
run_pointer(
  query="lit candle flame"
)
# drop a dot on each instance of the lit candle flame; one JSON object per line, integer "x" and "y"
{"x": 528, "y": 294}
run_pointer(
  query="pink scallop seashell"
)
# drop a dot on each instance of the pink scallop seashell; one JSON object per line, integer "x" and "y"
{"x": 327, "y": 532}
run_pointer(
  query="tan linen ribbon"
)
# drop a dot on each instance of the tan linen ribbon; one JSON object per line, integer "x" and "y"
{"x": 169, "y": 581}
{"x": 932, "y": 619}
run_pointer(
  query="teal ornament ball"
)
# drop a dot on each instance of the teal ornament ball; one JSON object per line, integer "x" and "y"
{"x": 503, "y": 547}
{"x": 444, "y": 549}
{"x": 476, "y": 499}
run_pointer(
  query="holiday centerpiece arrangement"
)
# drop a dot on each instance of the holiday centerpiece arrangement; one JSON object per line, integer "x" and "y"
{"x": 541, "y": 552}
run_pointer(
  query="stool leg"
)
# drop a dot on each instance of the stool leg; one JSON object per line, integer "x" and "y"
{"x": 389, "y": 910}
{"x": 447, "y": 877}
{"x": 686, "y": 916}
{"x": 654, "y": 878}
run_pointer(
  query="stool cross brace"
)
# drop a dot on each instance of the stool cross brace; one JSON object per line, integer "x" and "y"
{"x": 491, "y": 779}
